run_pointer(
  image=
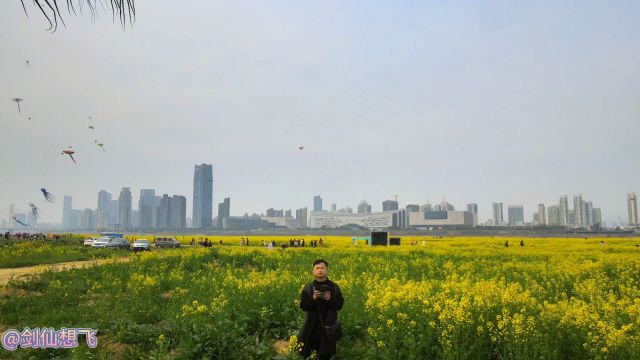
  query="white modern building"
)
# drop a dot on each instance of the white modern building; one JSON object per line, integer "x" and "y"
{"x": 319, "y": 219}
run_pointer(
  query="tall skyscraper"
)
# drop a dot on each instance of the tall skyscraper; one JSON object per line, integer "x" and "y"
{"x": 334, "y": 207}
{"x": 104, "y": 206}
{"x": 364, "y": 207}
{"x": 516, "y": 215}
{"x": 317, "y": 203}
{"x": 224, "y": 211}
{"x": 66, "y": 212}
{"x": 498, "y": 214}
{"x": 553, "y": 215}
{"x": 124, "y": 209}
{"x": 578, "y": 210}
{"x": 597, "y": 218}
{"x": 164, "y": 212}
{"x": 203, "y": 196}
{"x": 564, "y": 211}
{"x": 632, "y": 208}
{"x": 178, "y": 219}
{"x": 473, "y": 208}
{"x": 113, "y": 213}
{"x": 301, "y": 217}
{"x": 542, "y": 215}
{"x": 587, "y": 214}
{"x": 146, "y": 203}
{"x": 389, "y": 205}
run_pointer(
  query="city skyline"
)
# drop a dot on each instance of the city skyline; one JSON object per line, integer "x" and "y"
{"x": 129, "y": 218}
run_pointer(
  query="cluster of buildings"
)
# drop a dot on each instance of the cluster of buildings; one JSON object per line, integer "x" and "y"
{"x": 581, "y": 215}
{"x": 169, "y": 212}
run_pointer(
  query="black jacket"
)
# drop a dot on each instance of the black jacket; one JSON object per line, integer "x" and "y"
{"x": 310, "y": 306}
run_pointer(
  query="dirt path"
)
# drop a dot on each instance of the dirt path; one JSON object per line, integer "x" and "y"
{"x": 5, "y": 274}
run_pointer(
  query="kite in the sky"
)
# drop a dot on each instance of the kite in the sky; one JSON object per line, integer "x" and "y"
{"x": 48, "y": 196}
{"x": 70, "y": 153}
{"x": 17, "y": 100}
{"x": 34, "y": 211}
{"x": 19, "y": 222}
{"x": 101, "y": 146}
{"x": 28, "y": 63}
{"x": 91, "y": 127}
{"x": 300, "y": 147}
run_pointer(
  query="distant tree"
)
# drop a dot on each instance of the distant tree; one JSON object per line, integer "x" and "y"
{"x": 124, "y": 9}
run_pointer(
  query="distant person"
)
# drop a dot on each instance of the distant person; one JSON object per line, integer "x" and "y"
{"x": 424, "y": 242}
{"x": 521, "y": 242}
{"x": 270, "y": 247}
{"x": 321, "y": 299}
{"x": 506, "y": 243}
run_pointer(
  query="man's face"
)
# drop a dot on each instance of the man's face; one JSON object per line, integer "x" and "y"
{"x": 320, "y": 271}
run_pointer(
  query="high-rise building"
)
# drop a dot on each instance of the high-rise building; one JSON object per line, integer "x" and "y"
{"x": 164, "y": 212}
{"x": 473, "y": 208}
{"x": 334, "y": 207}
{"x": 146, "y": 203}
{"x": 317, "y": 203}
{"x": 178, "y": 218}
{"x": 542, "y": 215}
{"x": 87, "y": 219}
{"x": 113, "y": 213}
{"x": 578, "y": 210}
{"x": 553, "y": 215}
{"x": 224, "y": 210}
{"x": 632, "y": 209}
{"x": 364, "y": 207}
{"x": 587, "y": 214}
{"x": 301, "y": 217}
{"x": 571, "y": 219}
{"x": 288, "y": 213}
{"x": 516, "y": 215}
{"x": 203, "y": 196}
{"x": 389, "y": 205}
{"x": 124, "y": 209}
{"x": 104, "y": 206}
{"x": 564, "y": 211}
{"x": 597, "y": 218}
{"x": 66, "y": 212}
{"x": 498, "y": 215}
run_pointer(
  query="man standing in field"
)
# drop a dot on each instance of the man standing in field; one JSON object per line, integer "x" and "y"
{"x": 321, "y": 299}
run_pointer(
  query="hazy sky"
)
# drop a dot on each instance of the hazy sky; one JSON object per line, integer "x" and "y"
{"x": 517, "y": 102}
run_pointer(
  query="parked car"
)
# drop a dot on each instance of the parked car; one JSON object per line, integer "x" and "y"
{"x": 169, "y": 242}
{"x": 119, "y": 243}
{"x": 101, "y": 242}
{"x": 141, "y": 245}
{"x": 89, "y": 241}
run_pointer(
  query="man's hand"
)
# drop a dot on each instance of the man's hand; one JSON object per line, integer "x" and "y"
{"x": 327, "y": 295}
{"x": 316, "y": 294}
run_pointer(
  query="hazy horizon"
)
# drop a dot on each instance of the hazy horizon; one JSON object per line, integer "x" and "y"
{"x": 506, "y": 102}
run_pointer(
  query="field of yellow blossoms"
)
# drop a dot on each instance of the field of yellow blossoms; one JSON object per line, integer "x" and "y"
{"x": 449, "y": 298}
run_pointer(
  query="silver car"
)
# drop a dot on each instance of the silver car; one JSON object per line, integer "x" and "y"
{"x": 118, "y": 243}
{"x": 169, "y": 242}
{"x": 101, "y": 242}
{"x": 141, "y": 245}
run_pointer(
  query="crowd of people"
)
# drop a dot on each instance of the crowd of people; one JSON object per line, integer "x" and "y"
{"x": 26, "y": 236}
{"x": 244, "y": 241}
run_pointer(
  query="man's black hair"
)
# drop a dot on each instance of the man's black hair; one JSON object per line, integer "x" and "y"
{"x": 318, "y": 261}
